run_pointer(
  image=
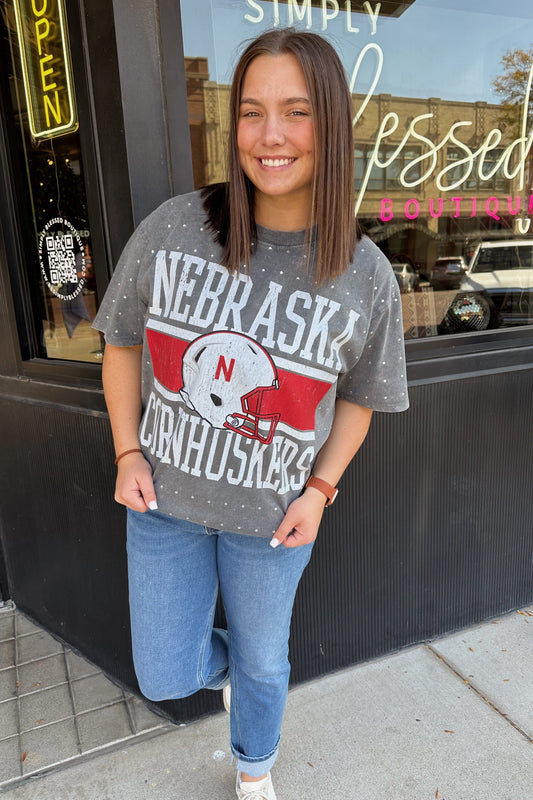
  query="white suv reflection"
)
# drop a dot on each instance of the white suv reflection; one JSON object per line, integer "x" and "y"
{"x": 497, "y": 290}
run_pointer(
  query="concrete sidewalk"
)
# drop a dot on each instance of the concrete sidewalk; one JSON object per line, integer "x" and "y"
{"x": 451, "y": 719}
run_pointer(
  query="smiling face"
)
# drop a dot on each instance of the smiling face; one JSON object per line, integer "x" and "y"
{"x": 276, "y": 141}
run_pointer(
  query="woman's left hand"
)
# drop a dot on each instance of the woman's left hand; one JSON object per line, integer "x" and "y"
{"x": 349, "y": 428}
{"x": 301, "y": 522}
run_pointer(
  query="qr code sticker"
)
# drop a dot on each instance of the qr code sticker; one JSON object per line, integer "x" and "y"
{"x": 61, "y": 259}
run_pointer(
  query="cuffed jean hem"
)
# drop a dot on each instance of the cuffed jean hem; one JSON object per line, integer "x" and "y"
{"x": 255, "y": 767}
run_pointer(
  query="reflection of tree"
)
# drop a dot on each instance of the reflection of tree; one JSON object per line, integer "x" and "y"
{"x": 512, "y": 85}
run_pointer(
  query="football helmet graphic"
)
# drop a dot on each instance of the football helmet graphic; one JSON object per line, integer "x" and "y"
{"x": 225, "y": 377}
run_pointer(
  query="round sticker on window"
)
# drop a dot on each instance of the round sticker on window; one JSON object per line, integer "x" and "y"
{"x": 62, "y": 259}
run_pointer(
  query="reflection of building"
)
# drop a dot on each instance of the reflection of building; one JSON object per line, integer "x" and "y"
{"x": 429, "y": 218}
{"x": 208, "y": 104}
{"x": 197, "y": 76}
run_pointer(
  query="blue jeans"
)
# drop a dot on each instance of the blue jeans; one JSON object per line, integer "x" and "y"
{"x": 176, "y": 569}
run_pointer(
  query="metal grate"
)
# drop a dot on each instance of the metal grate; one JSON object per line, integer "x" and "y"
{"x": 57, "y": 707}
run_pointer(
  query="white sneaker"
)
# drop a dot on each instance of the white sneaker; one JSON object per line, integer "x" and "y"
{"x": 226, "y": 697}
{"x": 255, "y": 790}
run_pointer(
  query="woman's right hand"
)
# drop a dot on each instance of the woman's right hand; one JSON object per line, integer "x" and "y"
{"x": 121, "y": 375}
{"x": 135, "y": 486}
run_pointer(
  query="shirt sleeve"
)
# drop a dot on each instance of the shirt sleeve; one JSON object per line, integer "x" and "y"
{"x": 122, "y": 312}
{"x": 378, "y": 380}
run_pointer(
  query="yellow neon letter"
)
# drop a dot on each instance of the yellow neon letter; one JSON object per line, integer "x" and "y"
{"x": 49, "y": 107}
{"x": 45, "y": 72}
{"x": 41, "y": 23}
{"x": 42, "y": 10}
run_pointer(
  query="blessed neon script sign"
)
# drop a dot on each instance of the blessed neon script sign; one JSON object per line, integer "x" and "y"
{"x": 510, "y": 162}
{"x": 46, "y": 72}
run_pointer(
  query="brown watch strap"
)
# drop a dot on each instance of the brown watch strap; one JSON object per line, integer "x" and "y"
{"x": 326, "y": 488}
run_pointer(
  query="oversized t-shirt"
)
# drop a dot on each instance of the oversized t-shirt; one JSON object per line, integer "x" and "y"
{"x": 240, "y": 373}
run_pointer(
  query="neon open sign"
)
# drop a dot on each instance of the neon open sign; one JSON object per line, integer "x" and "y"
{"x": 46, "y": 70}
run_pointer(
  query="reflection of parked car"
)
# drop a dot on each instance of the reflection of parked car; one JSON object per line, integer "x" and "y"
{"x": 497, "y": 290}
{"x": 406, "y": 277}
{"x": 448, "y": 272}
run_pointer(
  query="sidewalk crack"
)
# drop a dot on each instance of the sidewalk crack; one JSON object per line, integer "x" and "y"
{"x": 480, "y": 694}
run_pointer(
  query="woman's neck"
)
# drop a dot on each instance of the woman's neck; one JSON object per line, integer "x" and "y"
{"x": 281, "y": 214}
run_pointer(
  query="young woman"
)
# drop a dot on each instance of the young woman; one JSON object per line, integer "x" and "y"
{"x": 250, "y": 333}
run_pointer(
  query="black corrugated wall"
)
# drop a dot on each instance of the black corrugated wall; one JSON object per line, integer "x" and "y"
{"x": 432, "y": 530}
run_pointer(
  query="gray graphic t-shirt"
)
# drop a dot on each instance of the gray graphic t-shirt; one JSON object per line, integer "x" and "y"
{"x": 241, "y": 373}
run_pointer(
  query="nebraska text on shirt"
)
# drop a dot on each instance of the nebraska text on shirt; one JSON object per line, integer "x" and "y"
{"x": 204, "y": 295}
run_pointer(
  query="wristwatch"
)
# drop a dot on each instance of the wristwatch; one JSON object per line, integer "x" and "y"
{"x": 326, "y": 488}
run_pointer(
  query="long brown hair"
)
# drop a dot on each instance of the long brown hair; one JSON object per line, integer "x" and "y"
{"x": 230, "y": 207}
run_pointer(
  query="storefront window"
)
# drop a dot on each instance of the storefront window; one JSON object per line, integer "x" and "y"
{"x": 443, "y": 121}
{"x": 44, "y": 140}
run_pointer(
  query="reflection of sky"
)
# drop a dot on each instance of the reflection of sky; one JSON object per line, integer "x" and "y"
{"x": 437, "y": 48}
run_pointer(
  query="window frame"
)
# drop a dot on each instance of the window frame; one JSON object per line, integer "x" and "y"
{"x": 29, "y": 364}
